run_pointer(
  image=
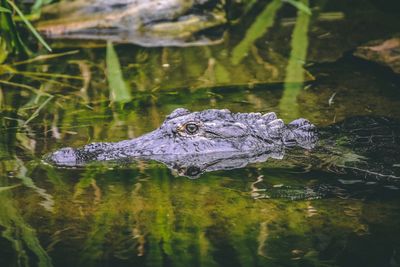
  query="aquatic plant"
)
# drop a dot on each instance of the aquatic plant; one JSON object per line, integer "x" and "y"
{"x": 119, "y": 92}
{"x": 11, "y": 34}
{"x": 295, "y": 73}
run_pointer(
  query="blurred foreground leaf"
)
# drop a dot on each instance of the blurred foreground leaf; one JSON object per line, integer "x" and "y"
{"x": 9, "y": 33}
{"x": 3, "y": 50}
{"x": 5, "y": 188}
{"x": 5, "y": 10}
{"x": 39, "y": 3}
{"x": 119, "y": 92}
{"x": 29, "y": 25}
{"x": 28, "y": 251}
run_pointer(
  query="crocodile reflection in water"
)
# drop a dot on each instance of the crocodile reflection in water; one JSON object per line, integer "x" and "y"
{"x": 143, "y": 22}
{"x": 191, "y": 143}
{"x": 193, "y": 165}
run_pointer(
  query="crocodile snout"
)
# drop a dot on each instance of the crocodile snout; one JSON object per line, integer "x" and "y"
{"x": 63, "y": 157}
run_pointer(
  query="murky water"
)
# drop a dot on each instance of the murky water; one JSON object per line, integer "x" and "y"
{"x": 142, "y": 214}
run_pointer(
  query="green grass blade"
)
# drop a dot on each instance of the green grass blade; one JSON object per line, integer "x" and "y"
{"x": 51, "y": 75}
{"x": 6, "y": 188}
{"x": 4, "y": 10}
{"x": 39, "y": 3}
{"x": 29, "y": 25}
{"x": 20, "y": 85}
{"x": 3, "y": 50}
{"x": 119, "y": 92}
{"x": 45, "y": 57}
{"x": 299, "y": 5}
{"x": 9, "y": 33}
{"x": 260, "y": 27}
{"x": 36, "y": 113}
{"x": 295, "y": 72}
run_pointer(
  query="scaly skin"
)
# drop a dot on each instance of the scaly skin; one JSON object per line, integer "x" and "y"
{"x": 200, "y": 133}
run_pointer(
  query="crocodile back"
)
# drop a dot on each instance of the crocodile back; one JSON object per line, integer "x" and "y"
{"x": 367, "y": 146}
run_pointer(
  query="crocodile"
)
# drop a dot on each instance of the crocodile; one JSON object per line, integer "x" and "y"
{"x": 143, "y": 22}
{"x": 191, "y": 143}
{"x": 193, "y": 133}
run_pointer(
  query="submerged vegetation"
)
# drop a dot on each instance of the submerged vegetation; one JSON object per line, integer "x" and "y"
{"x": 291, "y": 57}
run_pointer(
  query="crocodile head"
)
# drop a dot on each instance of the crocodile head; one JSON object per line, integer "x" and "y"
{"x": 211, "y": 131}
{"x": 204, "y": 132}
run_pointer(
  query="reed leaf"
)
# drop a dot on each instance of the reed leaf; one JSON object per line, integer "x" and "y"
{"x": 119, "y": 92}
{"x": 29, "y": 25}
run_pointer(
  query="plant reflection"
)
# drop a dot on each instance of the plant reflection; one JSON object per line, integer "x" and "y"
{"x": 294, "y": 71}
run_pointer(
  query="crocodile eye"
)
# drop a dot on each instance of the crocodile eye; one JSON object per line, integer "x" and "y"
{"x": 191, "y": 128}
{"x": 193, "y": 172}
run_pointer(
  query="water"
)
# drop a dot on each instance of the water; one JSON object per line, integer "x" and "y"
{"x": 144, "y": 215}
